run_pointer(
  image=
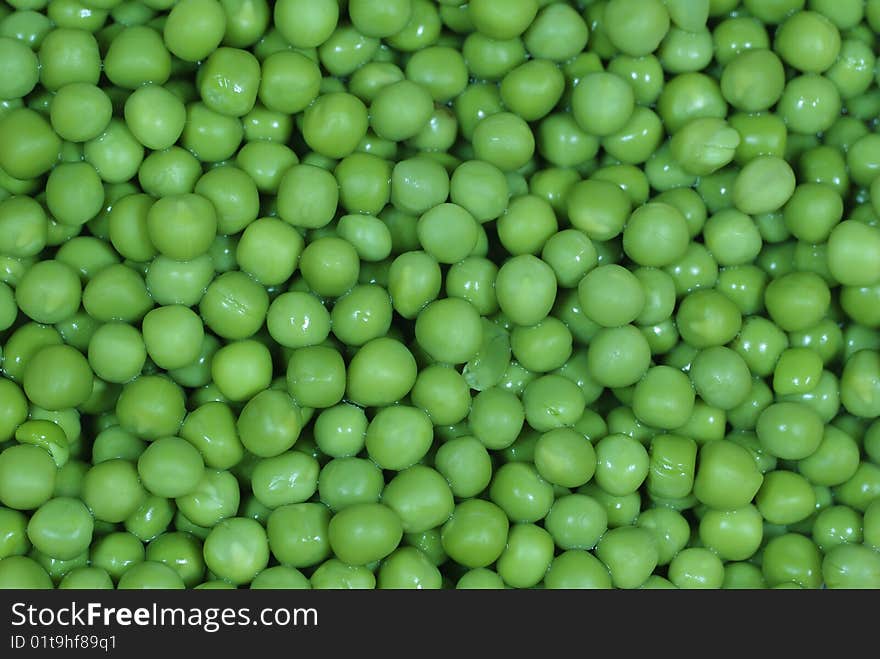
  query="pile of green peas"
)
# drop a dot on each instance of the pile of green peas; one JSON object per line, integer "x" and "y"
{"x": 439, "y": 294}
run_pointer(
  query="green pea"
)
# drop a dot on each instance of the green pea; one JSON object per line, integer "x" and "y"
{"x": 820, "y": 32}
{"x": 504, "y": 140}
{"x": 381, "y": 372}
{"x": 476, "y": 534}
{"x": 727, "y": 476}
{"x": 466, "y": 465}
{"x": 671, "y": 467}
{"x": 663, "y": 398}
{"x": 849, "y": 566}
{"x": 387, "y": 116}
{"x": 316, "y": 376}
{"x": 576, "y": 568}
{"x": 398, "y": 437}
{"x": 116, "y": 553}
{"x": 735, "y": 535}
{"x": 655, "y": 235}
{"x": 151, "y": 519}
{"x": 23, "y": 572}
{"x": 861, "y": 488}
{"x": 621, "y": 464}
{"x": 216, "y": 497}
{"x": 330, "y": 266}
{"x": 421, "y": 497}
{"x": 576, "y": 521}
{"x": 151, "y": 406}
{"x": 496, "y": 417}
{"x": 527, "y": 556}
{"x": 611, "y": 295}
{"x": 363, "y": 533}
{"x": 61, "y": 528}
{"x": 630, "y": 554}
{"x": 556, "y": 33}
{"x": 785, "y": 498}
{"x": 209, "y": 135}
{"x": 116, "y": 352}
{"x": 58, "y": 377}
{"x": 236, "y": 550}
{"x": 170, "y": 467}
{"x": 792, "y": 558}
{"x": 270, "y": 423}
{"x": 112, "y": 490}
{"x": 721, "y": 377}
{"x": 696, "y": 567}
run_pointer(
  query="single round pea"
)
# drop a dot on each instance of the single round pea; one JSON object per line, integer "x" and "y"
{"x": 87, "y": 578}
{"x": 721, "y": 377}
{"x": 334, "y": 574}
{"x": 443, "y": 393}
{"x": 363, "y": 533}
{"x": 808, "y": 41}
{"x": 850, "y": 566}
{"x": 347, "y": 481}
{"x": 727, "y": 476}
{"x": 400, "y": 110}
{"x": 526, "y": 557}
{"x": 526, "y": 288}
{"x": 466, "y": 465}
{"x": 696, "y": 567}
{"x": 476, "y": 534}
{"x": 236, "y": 550}
{"x": 621, "y": 464}
{"x": 270, "y": 423}
{"x": 381, "y": 372}
{"x": 151, "y": 406}
{"x": 496, "y": 417}
{"x": 655, "y": 235}
{"x": 504, "y": 140}
{"x": 763, "y": 185}
{"x": 58, "y": 377}
{"x": 115, "y": 553}
{"x": 170, "y": 467}
{"x": 194, "y": 29}
{"x": 792, "y": 558}
{"x": 298, "y": 534}
{"x": 112, "y": 490}
{"x": 61, "y": 528}
{"x": 785, "y": 498}
{"x": 30, "y": 146}
{"x": 519, "y": 490}
{"x": 448, "y": 232}
{"x": 116, "y": 352}
{"x": 480, "y": 188}
{"x": 330, "y": 266}
{"x": 449, "y": 330}
{"x": 663, "y": 398}
{"x": 611, "y": 295}
{"x": 21, "y": 572}
{"x": 735, "y": 535}
{"x": 316, "y": 376}
{"x": 630, "y": 553}
{"x": 421, "y": 497}
{"x": 48, "y": 292}
{"x": 398, "y": 437}
{"x": 576, "y": 568}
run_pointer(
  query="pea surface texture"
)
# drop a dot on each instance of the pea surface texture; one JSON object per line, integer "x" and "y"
{"x": 439, "y": 294}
